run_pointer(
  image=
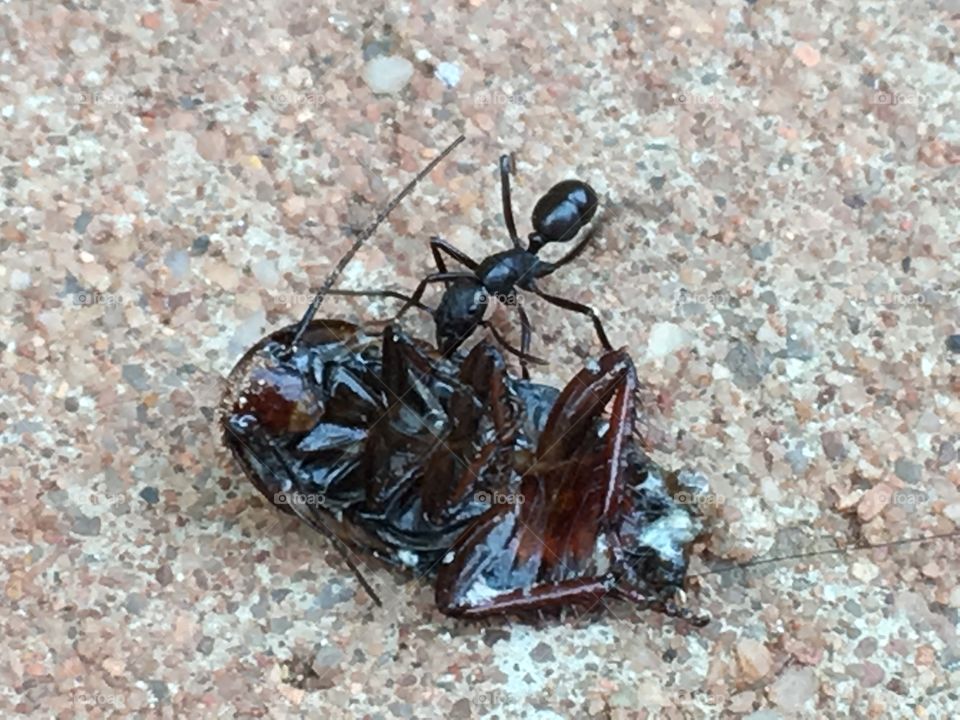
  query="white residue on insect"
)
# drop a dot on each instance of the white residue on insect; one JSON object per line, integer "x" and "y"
{"x": 480, "y": 592}
{"x": 408, "y": 558}
{"x": 601, "y": 554}
{"x": 448, "y": 558}
{"x": 592, "y": 365}
{"x": 668, "y": 534}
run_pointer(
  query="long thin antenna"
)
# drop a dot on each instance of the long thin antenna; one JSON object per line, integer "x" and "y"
{"x": 301, "y": 512}
{"x": 834, "y": 551}
{"x": 362, "y": 238}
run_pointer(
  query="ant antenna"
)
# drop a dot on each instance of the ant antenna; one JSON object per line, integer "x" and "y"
{"x": 362, "y": 238}
{"x": 834, "y": 551}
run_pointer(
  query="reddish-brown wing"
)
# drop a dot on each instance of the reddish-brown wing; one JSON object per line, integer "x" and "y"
{"x": 555, "y": 543}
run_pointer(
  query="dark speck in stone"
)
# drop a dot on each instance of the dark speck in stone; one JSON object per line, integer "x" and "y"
{"x": 159, "y": 689}
{"x": 71, "y": 404}
{"x": 905, "y": 264}
{"x": 855, "y": 201}
{"x": 200, "y": 245}
{"x": 657, "y": 182}
{"x": 150, "y": 495}
{"x": 136, "y": 376}
{"x": 953, "y": 343}
{"x": 83, "y": 219}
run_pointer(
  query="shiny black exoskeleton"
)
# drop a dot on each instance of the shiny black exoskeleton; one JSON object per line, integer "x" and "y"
{"x": 557, "y": 217}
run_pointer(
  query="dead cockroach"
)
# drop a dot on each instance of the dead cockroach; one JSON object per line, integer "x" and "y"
{"x": 518, "y": 497}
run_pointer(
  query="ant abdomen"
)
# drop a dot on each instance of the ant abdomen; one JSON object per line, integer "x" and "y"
{"x": 562, "y": 212}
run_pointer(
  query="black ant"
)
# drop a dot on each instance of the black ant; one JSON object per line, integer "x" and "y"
{"x": 557, "y": 217}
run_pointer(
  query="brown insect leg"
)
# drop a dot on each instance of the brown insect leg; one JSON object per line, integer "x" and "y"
{"x": 673, "y": 606}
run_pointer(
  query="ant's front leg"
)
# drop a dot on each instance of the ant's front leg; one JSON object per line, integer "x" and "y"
{"x": 433, "y": 277}
{"x": 438, "y": 243}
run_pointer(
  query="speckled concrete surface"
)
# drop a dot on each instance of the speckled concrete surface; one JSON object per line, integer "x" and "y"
{"x": 779, "y": 249}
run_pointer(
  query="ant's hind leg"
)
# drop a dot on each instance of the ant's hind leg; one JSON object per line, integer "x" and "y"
{"x": 506, "y": 165}
{"x": 438, "y": 243}
{"x": 578, "y": 308}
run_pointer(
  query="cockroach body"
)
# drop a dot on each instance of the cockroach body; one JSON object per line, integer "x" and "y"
{"x": 593, "y": 514}
{"x": 377, "y": 434}
{"x": 516, "y": 496}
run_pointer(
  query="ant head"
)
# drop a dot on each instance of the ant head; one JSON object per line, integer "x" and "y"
{"x": 561, "y": 213}
{"x": 459, "y": 313}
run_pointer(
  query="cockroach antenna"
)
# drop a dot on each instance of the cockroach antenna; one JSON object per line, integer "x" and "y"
{"x": 300, "y": 511}
{"x": 725, "y": 568}
{"x": 362, "y": 238}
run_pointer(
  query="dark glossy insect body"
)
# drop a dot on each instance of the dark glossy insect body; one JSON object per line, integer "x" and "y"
{"x": 517, "y": 496}
{"x": 593, "y": 515}
{"x": 379, "y": 434}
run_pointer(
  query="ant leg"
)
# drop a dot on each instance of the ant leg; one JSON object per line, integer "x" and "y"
{"x": 525, "y": 332}
{"x": 523, "y": 356}
{"x": 438, "y": 243}
{"x": 433, "y": 277}
{"x": 579, "y": 308}
{"x": 362, "y": 237}
{"x": 570, "y": 256}
{"x": 384, "y": 294}
{"x": 505, "y": 167}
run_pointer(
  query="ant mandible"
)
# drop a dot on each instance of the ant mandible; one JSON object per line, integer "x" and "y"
{"x": 557, "y": 217}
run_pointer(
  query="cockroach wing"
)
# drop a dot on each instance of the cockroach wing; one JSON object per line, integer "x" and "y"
{"x": 555, "y": 543}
